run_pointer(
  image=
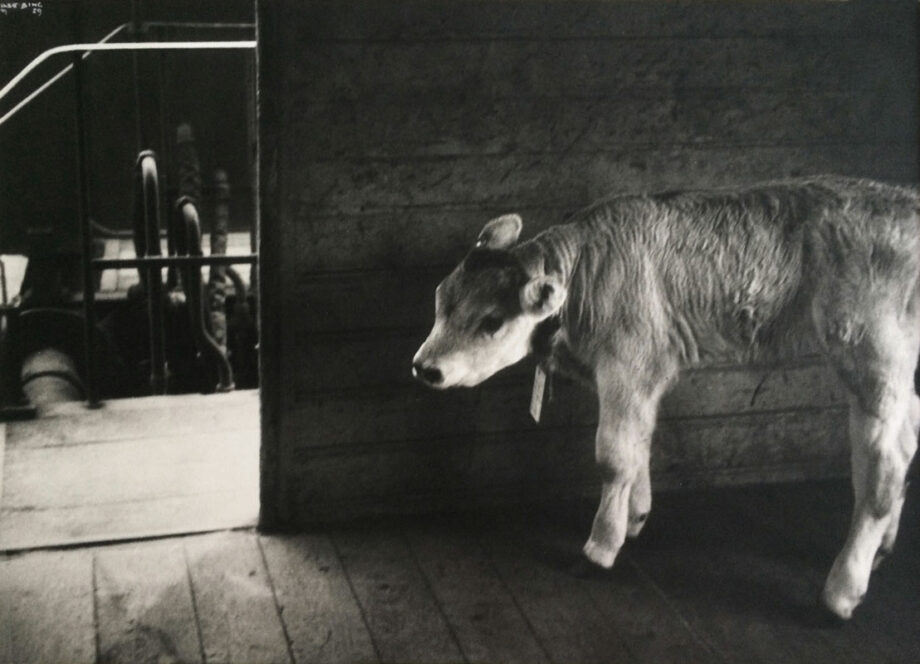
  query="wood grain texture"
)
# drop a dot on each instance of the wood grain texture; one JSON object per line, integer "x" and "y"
{"x": 472, "y": 471}
{"x": 569, "y": 180}
{"x": 640, "y": 612}
{"x": 404, "y": 618}
{"x": 569, "y": 625}
{"x": 135, "y": 468}
{"x": 320, "y": 613}
{"x": 586, "y": 66}
{"x": 761, "y": 608}
{"x": 71, "y": 423}
{"x": 483, "y": 615}
{"x": 456, "y": 124}
{"x": 412, "y": 412}
{"x": 144, "y": 469}
{"x": 634, "y": 608}
{"x": 810, "y": 523}
{"x": 46, "y": 610}
{"x": 422, "y": 20}
{"x": 145, "y": 606}
{"x": 234, "y": 602}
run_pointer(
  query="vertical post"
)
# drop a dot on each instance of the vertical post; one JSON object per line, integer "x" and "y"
{"x": 86, "y": 239}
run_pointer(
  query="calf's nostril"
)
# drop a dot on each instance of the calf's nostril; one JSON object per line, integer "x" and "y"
{"x": 430, "y": 375}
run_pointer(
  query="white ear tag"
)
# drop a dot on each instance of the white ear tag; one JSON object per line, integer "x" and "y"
{"x": 536, "y": 397}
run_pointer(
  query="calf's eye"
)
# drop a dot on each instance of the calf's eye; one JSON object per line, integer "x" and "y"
{"x": 491, "y": 324}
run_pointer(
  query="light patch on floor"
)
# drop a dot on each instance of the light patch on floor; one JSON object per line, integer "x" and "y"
{"x": 134, "y": 468}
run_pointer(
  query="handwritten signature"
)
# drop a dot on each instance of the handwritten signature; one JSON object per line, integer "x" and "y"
{"x": 34, "y": 8}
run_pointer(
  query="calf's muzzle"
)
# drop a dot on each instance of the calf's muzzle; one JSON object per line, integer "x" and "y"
{"x": 429, "y": 374}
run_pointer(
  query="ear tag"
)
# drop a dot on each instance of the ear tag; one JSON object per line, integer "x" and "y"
{"x": 536, "y": 397}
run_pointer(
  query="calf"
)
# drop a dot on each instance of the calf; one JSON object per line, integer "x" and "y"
{"x": 637, "y": 287}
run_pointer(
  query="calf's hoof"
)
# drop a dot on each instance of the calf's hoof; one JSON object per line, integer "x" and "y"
{"x": 600, "y": 555}
{"x": 841, "y": 605}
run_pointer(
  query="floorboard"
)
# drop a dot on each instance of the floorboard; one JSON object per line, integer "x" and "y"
{"x": 234, "y": 601}
{"x": 649, "y": 626}
{"x": 145, "y": 607}
{"x": 567, "y": 622}
{"x": 480, "y": 610}
{"x": 810, "y": 523}
{"x": 322, "y": 618}
{"x": 735, "y": 586}
{"x": 722, "y": 576}
{"x": 404, "y": 618}
{"x": 46, "y": 608}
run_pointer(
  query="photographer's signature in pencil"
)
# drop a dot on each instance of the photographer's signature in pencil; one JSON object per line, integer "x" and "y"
{"x": 33, "y": 8}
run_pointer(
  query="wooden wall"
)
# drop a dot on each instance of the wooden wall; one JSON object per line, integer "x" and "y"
{"x": 392, "y": 130}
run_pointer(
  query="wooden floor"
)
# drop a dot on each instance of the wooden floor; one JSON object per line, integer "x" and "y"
{"x": 728, "y": 575}
{"x": 133, "y": 468}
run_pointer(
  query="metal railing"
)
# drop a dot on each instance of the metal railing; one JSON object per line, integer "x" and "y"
{"x": 146, "y": 176}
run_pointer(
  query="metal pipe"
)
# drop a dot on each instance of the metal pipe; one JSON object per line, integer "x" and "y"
{"x": 149, "y": 192}
{"x": 126, "y": 46}
{"x": 166, "y": 261}
{"x": 49, "y": 376}
{"x": 86, "y": 239}
{"x": 140, "y": 27}
{"x": 54, "y": 79}
{"x": 191, "y": 244}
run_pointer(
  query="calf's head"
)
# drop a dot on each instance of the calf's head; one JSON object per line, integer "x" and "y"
{"x": 486, "y": 311}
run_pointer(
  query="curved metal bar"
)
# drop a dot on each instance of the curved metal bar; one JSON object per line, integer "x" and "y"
{"x": 126, "y": 46}
{"x": 54, "y": 79}
{"x": 147, "y": 243}
{"x": 187, "y": 219}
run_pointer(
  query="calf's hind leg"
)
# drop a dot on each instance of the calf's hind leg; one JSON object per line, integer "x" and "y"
{"x": 877, "y": 370}
{"x": 910, "y": 430}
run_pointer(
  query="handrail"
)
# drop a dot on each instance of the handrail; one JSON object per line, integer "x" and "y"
{"x": 125, "y": 46}
{"x": 187, "y": 228}
{"x": 143, "y": 26}
{"x": 54, "y": 79}
{"x": 147, "y": 243}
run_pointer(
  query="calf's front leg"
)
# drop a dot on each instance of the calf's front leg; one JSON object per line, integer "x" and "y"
{"x": 624, "y": 432}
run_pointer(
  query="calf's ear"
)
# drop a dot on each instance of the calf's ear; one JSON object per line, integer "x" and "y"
{"x": 542, "y": 296}
{"x": 500, "y": 233}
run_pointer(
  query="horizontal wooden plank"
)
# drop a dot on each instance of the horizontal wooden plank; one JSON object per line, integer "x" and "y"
{"x": 429, "y": 475}
{"x": 238, "y": 508}
{"x": 140, "y": 470}
{"x": 119, "y": 420}
{"x": 562, "y": 68}
{"x": 420, "y": 414}
{"x": 399, "y": 240}
{"x": 485, "y": 19}
{"x": 390, "y": 126}
{"x": 562, "y": 180}
{"x": 359, "y": 359}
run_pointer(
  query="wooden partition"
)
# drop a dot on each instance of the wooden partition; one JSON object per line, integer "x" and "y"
{"x": 392, "y": 130}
